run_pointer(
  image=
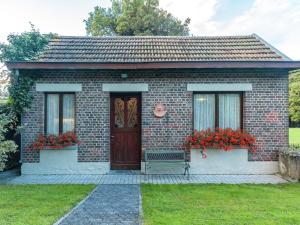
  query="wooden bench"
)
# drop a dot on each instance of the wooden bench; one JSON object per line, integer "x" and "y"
{"x": 166, "y": 159}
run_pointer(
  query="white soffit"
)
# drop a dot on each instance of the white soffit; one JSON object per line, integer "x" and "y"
{"x": 58, "y": 87}
{"x": 219, "y": 87}
{"x": 137, "y": 87}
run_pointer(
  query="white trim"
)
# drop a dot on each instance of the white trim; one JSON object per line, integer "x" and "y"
{"x": 63, "y": 162}
{"x": 115, "y": 87}
{"x": 58, "y": 87}
{"x": 219, "y": 87}
{"x": 230, "y": 162}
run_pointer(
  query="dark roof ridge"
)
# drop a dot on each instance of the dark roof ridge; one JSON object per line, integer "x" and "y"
{"x": 155, "y": 37}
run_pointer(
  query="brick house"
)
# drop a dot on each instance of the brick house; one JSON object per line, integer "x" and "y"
{"x": 105, "y": 89}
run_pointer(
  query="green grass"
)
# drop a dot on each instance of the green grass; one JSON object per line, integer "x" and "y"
{"x": 221, "y": 204}
{"x": 38, "y": 204}
{"x": 294, "y": 135}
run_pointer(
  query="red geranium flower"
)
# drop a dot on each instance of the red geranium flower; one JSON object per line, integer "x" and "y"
{"x": 224, "y": 139}
{"x": 53, "y": 141}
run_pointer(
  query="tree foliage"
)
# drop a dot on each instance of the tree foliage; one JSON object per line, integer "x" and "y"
{"x": 6, "y": 146}
{"x": 134, "y": 18}
{"x": 294, "y": 96}
{"x": 20, "y": 97}
{"x": 24, "y": 46}
{"x": 4, "y": 82}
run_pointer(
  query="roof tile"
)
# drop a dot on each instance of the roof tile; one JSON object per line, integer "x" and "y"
{"x": 159, "y": 49}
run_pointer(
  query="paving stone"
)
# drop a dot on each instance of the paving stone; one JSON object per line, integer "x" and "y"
{"x": 108, "y": 204}
{"x": 138, "y": 179}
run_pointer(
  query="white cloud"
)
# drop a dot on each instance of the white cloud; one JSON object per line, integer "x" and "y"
{"x": 277, "y": 21}
{"x": 57, "y": 16}
{"x": 199, "y": 11}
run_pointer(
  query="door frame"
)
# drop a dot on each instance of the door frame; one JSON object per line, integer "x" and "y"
{"x": 139, "y": 109}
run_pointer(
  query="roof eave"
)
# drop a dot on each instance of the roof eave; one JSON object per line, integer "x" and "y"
{"x": 157, "y": 65}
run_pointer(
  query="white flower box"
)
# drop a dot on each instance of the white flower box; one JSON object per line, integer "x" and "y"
{"x": 234, "y": 161}
{"x": 50, "y": 148}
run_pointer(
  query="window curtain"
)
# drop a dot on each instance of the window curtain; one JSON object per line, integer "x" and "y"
{"x": 229, "y": 111}
{"x": 204, "y": 111}
{"x": 68, "y": 113}
{"x": 53, "y": 114}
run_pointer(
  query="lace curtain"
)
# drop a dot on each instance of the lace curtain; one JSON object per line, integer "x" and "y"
{"x": 53, "y": 111}
{"x": 204, "y": 111}
{"x": 68, "y": 113}
{"x": 229, "y": 111}
{"x": 53, "y": 114}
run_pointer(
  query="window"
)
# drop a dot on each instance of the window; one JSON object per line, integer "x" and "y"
{"x": 212, "y": 110}
{"x": 125, "y": 112}
{"x": 60, "y": 113}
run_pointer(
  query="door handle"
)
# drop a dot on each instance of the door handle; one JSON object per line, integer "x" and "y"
{"x": 112, "y": 137}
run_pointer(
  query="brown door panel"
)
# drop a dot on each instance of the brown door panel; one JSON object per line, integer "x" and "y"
{"x": 125, "y": 131}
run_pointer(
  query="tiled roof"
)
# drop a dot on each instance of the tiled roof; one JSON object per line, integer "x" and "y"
{"x": 159, "y": 49}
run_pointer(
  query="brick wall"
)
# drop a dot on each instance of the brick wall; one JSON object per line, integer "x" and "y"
{"x": 265, "y": 109}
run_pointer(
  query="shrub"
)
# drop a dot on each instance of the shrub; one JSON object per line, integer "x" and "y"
{"x": 6, "y": 146}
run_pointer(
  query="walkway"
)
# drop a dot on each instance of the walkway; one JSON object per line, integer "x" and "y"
{"x": 109, "y": 205}
{"x": 143, "y": 179}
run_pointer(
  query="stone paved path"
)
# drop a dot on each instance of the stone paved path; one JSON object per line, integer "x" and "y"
{"x": 148, "y": 179}
{"x": 109, "y": 205}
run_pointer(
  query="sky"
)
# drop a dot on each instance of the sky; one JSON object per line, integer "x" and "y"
{"x": 276, "y": 21}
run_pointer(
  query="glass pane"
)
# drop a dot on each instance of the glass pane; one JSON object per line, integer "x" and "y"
{"x": 229, "y": 111}
{"x": 132, "y": 112}
{"x": 204, "y": 111}
{"x": 68, "y": 112}
{"x": 119, "y": 112}
{"x": 53, "y": 114}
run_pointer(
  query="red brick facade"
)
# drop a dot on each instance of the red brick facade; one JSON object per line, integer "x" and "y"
{"x": 265, "y": 108}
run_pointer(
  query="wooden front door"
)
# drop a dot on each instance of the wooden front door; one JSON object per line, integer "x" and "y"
{"x": 125, "y": 130}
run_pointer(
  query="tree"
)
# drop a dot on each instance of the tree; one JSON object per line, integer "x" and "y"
{"x": 24, "y": 46}
{"x": 134, "y": 18}
{"x": 4, "y": 81}
{"x": 294, "y": 96}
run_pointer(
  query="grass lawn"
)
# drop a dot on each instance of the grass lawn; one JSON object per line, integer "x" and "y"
{"x": 294, "y": 135}
{"x": 38, "y": 204}
{"x": 221, "y": 204}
